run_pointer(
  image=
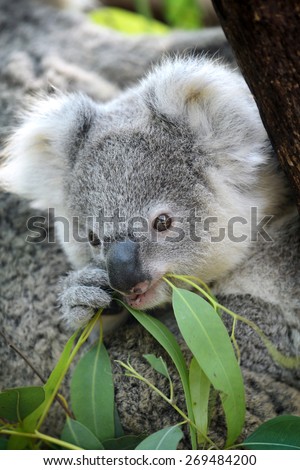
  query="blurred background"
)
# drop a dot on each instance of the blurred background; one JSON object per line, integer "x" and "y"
{"x": 147, "y": 16}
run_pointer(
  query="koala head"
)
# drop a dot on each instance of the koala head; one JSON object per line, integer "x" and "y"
{"x": 154, "y": 177}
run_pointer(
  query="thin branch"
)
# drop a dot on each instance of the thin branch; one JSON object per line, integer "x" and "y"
{"x": 22, "y": 355}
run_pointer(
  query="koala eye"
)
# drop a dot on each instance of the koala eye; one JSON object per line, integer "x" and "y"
{"x": 94, "y": 240}
{"x": 162, "y": 222}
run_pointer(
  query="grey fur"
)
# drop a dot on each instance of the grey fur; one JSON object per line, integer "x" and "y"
{"x": 146, "y": 154}
{"x": 81, "y": 288}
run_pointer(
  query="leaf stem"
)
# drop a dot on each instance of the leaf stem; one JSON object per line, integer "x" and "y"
{"x": 171, "y": 390}
{"x": 285, "y": 361}
{"x": 193, "y": 284}
{"x": 234, "y": 342}
{"x": 135, "y": 374}
{"x": 41, "y": 436}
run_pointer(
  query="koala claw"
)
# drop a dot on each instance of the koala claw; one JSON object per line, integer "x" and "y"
{"x": 82, "y": 293}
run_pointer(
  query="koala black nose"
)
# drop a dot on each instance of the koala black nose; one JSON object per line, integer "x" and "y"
{"x": 124, "y": 266}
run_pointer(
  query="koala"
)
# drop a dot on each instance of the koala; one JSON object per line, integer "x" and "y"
{"x": 185, "y": 144}
{"x": 169, "y": 173}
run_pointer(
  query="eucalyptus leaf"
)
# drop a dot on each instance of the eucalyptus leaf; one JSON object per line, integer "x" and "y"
{"x": 207, "y": 338}
{"x": 79, "y": 435}
{"x": 158, "y": 364}
{"x": 167, "y": 340}
{"x": 9, "y": 405}
{"x": 119, "y": 432}
{"x": 17, "y": 403}
{"x": 3, "y": 443}
{"x": 128, "y": 442}
{"x": 200, "y": 388}
{"x": 281, "y": 433}
{"x": 165, "y": 439}
{"x": 92, "y": 393}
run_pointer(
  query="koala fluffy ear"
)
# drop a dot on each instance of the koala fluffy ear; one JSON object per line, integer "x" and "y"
{"x": 44, "y": 147}
{"x": 214, "y": 101}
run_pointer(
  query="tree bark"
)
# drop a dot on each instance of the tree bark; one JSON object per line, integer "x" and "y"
{"x": 264, "y": 35}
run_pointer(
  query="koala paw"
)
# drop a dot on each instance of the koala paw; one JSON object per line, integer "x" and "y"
{"x": 82, "y": 293}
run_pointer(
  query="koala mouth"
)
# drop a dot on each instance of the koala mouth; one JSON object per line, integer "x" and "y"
{"x": 144, "y": 300}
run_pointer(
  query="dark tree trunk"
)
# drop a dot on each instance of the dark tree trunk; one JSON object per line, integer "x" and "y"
{"x": 265, "y": 37}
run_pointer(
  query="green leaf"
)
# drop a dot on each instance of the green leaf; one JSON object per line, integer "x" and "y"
{"x": 127, "y": 22}
{"x": 3, "y": 443}
{"x": 281, "y": 433}
{"x": 207, "y": 338}
{"x": 79, "y": 435}
{"x": 200, "y": 388}
{"x": 119, "y": 432}
{"x": 158, "y": 364}
{"x": 167, "y": 340}
{"x": 128, "y": 442}
{"x": 92, "y": 393}
{"x": 17, "y": 403}
{"x": 165, "y": 439}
